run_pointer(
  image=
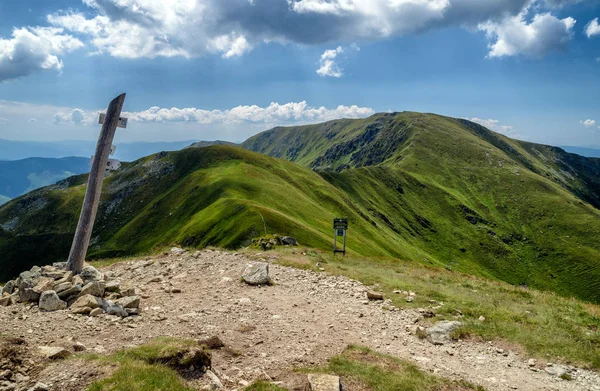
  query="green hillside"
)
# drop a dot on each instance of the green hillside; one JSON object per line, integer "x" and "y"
{"x": 475, "y": 200}
{"x": 420, "y": 187}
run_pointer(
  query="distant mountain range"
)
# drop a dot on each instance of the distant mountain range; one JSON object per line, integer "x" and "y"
{"x": 18, "y": 177}
{"x": 16, "y": 150}
{"x": 588, "y": 152}
{"x": 420, "y": 187}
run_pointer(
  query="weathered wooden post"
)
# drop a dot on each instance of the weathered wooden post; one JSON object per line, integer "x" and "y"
{"x": 100, "y": 163}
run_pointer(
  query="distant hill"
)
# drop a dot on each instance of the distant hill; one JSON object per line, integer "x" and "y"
{"x": 16, "y": 150}
{"x": 587, "y": 152}
{"x": 200, "y": 144}
{"x": 421, "y": 187}
{"x": 21, "y": 176}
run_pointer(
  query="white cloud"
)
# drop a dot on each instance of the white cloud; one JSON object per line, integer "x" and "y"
{"x": 75, "y": 116}
{"x": 588, "y": 123}
{"x": 592, "y": 28}
{"x": 31, "y": 120}
{"x": 515, "y": 36}
{"x": 327, "y": 64}
{"x": 494, "y": 124}
{"x": 33, "y": 49}
{"x": 275, "y": 113}
{"x": 188, "y": 28}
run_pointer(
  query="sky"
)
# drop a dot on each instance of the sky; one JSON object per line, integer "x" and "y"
{"x": 228, "y": 69}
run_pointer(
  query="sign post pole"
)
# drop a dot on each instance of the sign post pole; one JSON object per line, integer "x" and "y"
{"x": 100, "y": 163}
{"x": 340, "y": 226}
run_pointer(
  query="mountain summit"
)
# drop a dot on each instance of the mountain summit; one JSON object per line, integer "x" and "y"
{"x": 423, "y": 187}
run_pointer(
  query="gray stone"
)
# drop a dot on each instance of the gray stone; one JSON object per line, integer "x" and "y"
{"x": 25, "y": 283}
{"x": 54, "y": 274}
{"x": 40, "y": 387}
{"x": 81, "y": 310}
{"x": 90, "y": 274}
{"x": 256, "y": 273}
{"x": 216, "y": 383}
{"x": 49, "y": 301}
{"x": 88, "y": 301}
{"x": 372, "y": 295}
{"x": 129, "y": 302}
{"x": 116, "y": 309}
{"x": 323, "y": 382}
{"x": 79, "y": 347}
{"x": 67, "y": 276}
{"x": 61, "y": 265}
{"x": 288, "y": 241}
{"x": 54, "y": 352}
{"x": 113, "y": 286}
{"x": 556, "y": 370}
{"x": 439, "y": 334}
{"x": 9, "y": 287}
{"x": 94, "y": 288}
{"x": 96, "y": 312}
{"x": 5, "y": 301}
{"x": 62, "y": 287}
{"x": 72, "y": 291}
{"x": 44, "y": 284}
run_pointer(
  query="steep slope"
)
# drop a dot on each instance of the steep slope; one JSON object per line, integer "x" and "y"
{"x": 21, "y": 176}
{"x": 477, "y": 201}
{"x": 196, "y": 197}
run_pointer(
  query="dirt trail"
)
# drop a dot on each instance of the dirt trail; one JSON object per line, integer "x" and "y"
{"x": 304, "y": 319}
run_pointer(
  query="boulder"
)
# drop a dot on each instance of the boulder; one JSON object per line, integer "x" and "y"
{"x": 87, "y": 301}
{"x": 288, "y": 241}
{"x": 61, "y": 265}
{"x": 81, "y": 310}
{"x": 94, "y": 288}
{"x": 67, "y": 277}
{"x": 5, "y": 301}
{"x": 54, "y": 274}
{"x": 90, "y": 274}
{"x": 9, "y": 287}
{"x": 62, "y": 287}
{"x": 556, "y": 370}
{"x": 372, "y": 295}
{"x": 323, "y": 382}
{"x": 113, "y": 286}
{"x": 25, "y": 283}
{"x": 129, "y": 302}
{"x": 116, "y": 309}
{"x": 54, "y": 352}
{"x": 72, "y": 291}
{"x": 49, "y": 301}
{"x": 439, "y": 334}
{"x": 44, "y": 284}
{"x": 96, "y": 312}
{"x": 256, "y": 273}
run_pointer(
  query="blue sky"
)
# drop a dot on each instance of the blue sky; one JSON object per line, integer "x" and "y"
{"x": 227, "y": 69}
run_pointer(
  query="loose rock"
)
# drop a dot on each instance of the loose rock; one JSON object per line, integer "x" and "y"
{"x": 256, "y": 273}
{"x": 439, "y": 334}
{"x": 322, "y": 382}
{"x": 54, "y": 352}
{"x": 49, "y": 301}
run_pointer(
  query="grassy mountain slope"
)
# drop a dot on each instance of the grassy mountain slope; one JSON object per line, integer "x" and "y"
{"x": 21, "y": 176}
{"x": 421, "y": 187}
{"x": 196, "y": 197}
{"x": 475, "y": 200}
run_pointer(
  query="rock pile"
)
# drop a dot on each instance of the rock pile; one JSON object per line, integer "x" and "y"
{"x": 268, "y": 243}
{"x": 55, "y": 288}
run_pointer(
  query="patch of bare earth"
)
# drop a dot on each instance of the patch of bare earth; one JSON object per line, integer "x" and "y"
{"x": 304, "y": 319}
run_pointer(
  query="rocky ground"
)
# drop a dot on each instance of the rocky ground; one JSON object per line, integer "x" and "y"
{"x": 303, "y": 319}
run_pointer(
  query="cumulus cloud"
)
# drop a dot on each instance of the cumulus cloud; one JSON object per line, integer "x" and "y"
{"x": 150, "y": 28}
{"x": 75, "y": 116}
{"x": 327, "y": 64}
{"x": 516, "y": 36}
{"x": 494, "y": 124}
{"x": 592, "y": 28}
{"x": 33, "y": 49}
{"x": 275, "y": 113}
{"x": 588, "y": 123}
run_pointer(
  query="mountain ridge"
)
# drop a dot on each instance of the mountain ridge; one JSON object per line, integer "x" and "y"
{"x": 422, "y": 187}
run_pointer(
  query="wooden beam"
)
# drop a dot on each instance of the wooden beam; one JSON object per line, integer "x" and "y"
{"x": 81, "y": 241}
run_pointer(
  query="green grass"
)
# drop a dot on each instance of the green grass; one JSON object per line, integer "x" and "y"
{"x": 365, "y": 369}
{"x": 144, "y": 368}
{"x": 542, "y": 324}
{"x": 425, "y": 188}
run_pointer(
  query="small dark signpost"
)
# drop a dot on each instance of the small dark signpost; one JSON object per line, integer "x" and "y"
{"x": 340, "y": 226}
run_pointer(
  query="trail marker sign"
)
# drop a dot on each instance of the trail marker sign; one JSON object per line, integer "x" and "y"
{"x": 340, "y": 226}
